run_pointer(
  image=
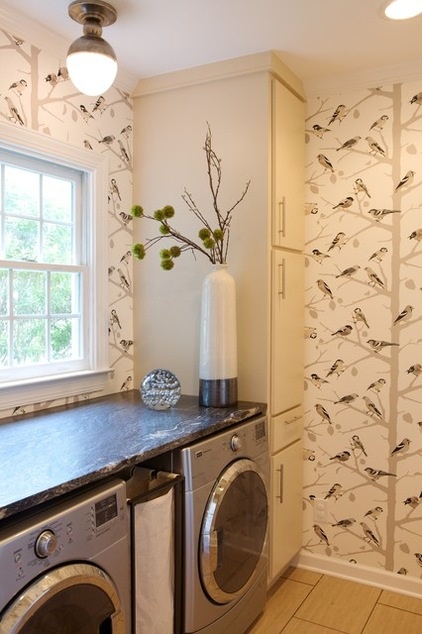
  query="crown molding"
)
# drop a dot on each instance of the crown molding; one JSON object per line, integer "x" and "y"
{"x": 20, "y": 25}
{"x": 399, "y": 73}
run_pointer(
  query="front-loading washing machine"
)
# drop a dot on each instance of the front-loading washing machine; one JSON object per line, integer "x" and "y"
{"x": 225, "y": 528}
{"x": 66, "y": 569}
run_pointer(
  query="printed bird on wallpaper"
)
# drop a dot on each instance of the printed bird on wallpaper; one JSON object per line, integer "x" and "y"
{"x": 359, "y": 316}
{"x": 401, "y": 447}
{"x": 319, "y": 532}
{"x": 86, "y": 116}
{"x": 87, "y": 145}
{"x": 378, "y": 345}
{"x": 357, "y": 444}
{"x": 336, "y": 491}
{"x": 374, "y": 513}
{"x": 374, "y": 146}
{"x": 347, "y": 399}
{"x": 126, "y": 344}
{"x": 404, "y": 315}
{"x": 319, "y": 256}
{"x": 100, "y": 105}
{"x": 317, "y": 380}
{"x": 377, "y": 385}
{"x": 124, "y": 282}
{"x": 351, "y": 270}
{"x": 369, "y": 534}
{"x": 18, "y": 86}
{"x": 371, "y": 408}
{"x": 338, "y": 241}
{"x": 126, "y": 131}
{"x": 376, "y": 474}
{"x": 417, "y": 99}
{"x": 127, "y": 384}
{"x": 374, "y": 278}
{"x": 325, "y": 162}
{"x": 114, "y": 188}
{"x": 342, "y": 456}
{"x": 52, "y": 79}
{"x": 379, "y": 123}
{"x": 345, "y": 203}
{"x": 123, "y": 152}
{"x": 378, "y": 255}
{"x": 324, "y": 288}
{"x": 419, "y": 558}
{"x": 320, "y": 409}
{"x": 126, "y": 257}
{"x": 415, "y": 369}
{"x": 337, "y": 368}
{"x": 338, "y": 114}
{"x": 125, "y": 218}
{"x": 416, "y": 235}
{"x": 14, "y": 115}
{"x": 380, "y": 214}
{"x": 349, "y": 144}
{"x": 360, "y": 187}
{"x": 344, "y": 331}
{"x": 114, "y": 319}
{"x": 319, "y": 131}
{"x": 107, "y": 140}
{"x": 406, "y": 181}
{"x": 413, "y": 501}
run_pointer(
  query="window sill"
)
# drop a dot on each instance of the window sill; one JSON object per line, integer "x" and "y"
{"x": 29, "y": 392}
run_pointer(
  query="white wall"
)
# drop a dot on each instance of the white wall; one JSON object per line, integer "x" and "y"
{"x": 169, "y": 156}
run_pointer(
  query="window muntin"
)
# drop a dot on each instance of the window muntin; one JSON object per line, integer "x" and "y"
{"x": 43, "y": 268}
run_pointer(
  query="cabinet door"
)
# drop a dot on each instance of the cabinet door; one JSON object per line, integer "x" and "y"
{"x": 287, "y": 330}
{"x": 288, "y": 140}
{"x": 285, "y": 429}
{"x": 285, "y": 537}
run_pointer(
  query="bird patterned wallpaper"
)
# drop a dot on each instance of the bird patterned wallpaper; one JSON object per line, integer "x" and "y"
{"x": 363, "y": 365}
{"x": 36, "y": 93}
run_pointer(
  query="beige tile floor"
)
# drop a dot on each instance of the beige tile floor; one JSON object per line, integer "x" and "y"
{"x": 305, "y": 602}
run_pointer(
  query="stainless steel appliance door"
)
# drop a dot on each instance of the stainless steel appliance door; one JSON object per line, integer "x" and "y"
{"x": 233, "y": 532}
{"x": 73, "y": 598}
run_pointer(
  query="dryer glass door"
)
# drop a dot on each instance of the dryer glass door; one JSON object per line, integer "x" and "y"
{"x": 72, "y": 599}
{"x": 233, "y": 533}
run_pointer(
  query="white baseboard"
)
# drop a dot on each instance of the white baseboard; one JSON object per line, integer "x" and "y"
{"x": 402, "y": 584}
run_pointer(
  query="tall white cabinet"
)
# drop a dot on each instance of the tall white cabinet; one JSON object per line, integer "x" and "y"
{"x": 255, "y": 108}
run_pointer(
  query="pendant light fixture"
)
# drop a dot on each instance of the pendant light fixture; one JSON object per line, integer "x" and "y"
{"x": 403, "y": 9}
{"x": 91, "y": 61}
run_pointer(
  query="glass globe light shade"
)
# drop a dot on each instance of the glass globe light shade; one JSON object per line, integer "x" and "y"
{"x": 92, "y": 65}
{"x": 403, "y": 9}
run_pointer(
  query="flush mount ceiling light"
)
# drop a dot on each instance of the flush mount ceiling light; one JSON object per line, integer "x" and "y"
{"x": 91, "y": 61}
{"x": 403, "y": 9}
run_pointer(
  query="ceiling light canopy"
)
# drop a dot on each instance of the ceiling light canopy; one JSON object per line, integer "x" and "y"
{"x": 91, "y": 61}
{"x": 403, "y": 9}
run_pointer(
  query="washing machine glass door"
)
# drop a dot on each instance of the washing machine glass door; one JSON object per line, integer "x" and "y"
{"x": 76, "y": 598}
{"x": 233, "y": 534}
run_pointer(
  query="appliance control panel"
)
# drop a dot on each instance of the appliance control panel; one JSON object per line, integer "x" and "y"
{"x": 72, "y": 530}
{"x": 209, "y": 456}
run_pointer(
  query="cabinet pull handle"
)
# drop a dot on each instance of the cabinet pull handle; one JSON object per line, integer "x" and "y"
{"x": 289, "y": 421}
{"x": 282, "y": 216}
{"x": 281, "y": 471}
{"x": 282, "y": 279}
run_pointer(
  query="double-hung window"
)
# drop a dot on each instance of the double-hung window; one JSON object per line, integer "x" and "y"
{"x": 53, "y": 319}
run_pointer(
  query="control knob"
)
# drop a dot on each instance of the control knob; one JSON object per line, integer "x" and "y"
{"x": 235, "y": 443}
{"x": 46, "y": 544}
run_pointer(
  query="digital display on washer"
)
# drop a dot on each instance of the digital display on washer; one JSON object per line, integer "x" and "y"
{"x": 105, "y": 510}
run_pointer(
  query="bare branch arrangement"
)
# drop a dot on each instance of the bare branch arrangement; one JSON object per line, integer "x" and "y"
{"x": 213, "y": 238}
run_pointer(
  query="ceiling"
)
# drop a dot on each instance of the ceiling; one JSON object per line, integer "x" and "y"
{"x": 317, "y": 39}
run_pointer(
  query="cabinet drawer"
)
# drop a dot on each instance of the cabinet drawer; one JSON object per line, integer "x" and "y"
{"x": 286, "y": 428}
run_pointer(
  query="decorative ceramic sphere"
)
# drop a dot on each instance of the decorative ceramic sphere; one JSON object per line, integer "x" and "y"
{"x": 160, "y": 389}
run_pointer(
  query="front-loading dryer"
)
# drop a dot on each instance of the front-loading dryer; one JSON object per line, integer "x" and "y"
{"x": 225, "y": 528}
{"x": 66, "y": 569}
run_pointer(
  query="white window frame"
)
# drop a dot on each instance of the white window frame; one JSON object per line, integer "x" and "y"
{"x": 95, "y": 166}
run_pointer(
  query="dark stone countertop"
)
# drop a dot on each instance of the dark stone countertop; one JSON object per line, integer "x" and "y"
{"x": 48, "y": 454}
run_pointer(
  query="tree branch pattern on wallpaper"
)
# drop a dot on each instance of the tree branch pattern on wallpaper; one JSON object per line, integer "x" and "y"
{"x": 37, "y": 94}
{"x": 363, "y": 389}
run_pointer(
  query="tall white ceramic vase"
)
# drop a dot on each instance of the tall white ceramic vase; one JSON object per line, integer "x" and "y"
{"x": 218, "y": 341}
